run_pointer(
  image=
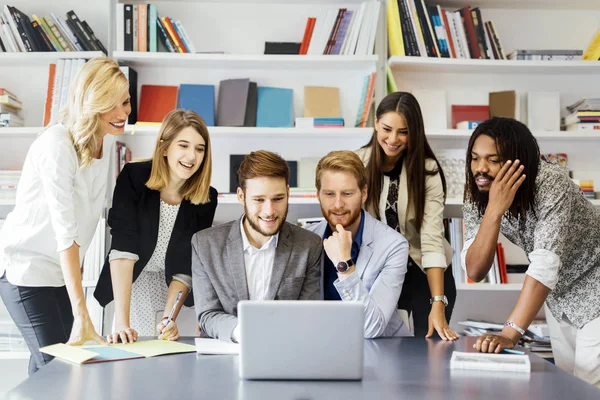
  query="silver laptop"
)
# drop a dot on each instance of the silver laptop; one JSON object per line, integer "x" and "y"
{"x": 301, "y": 339}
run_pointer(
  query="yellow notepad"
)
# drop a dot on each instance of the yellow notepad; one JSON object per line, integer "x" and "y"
{"x": 115, "y": 352}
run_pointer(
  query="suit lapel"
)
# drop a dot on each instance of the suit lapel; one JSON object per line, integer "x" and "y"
{"x": 366, "y": 248}
{"x": 282, "y": 256}
{"x": 153, "y": 214}
{"x": 402, "y": 199}
{"x": 235, "y": 261}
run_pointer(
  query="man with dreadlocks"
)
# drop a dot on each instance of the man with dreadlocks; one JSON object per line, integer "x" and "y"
{"x": 537, "y": 207}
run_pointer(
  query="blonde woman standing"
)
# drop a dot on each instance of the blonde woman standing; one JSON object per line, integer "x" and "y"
{"x": 60, "y": 198}
{"x": 158, "y": 205}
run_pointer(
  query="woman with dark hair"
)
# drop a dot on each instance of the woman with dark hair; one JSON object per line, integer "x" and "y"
{"x": 407, "y": 189}
{"x": 539, "y": 208}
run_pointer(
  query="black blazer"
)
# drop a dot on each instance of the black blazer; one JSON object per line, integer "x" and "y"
{"x": 134, "y": 219}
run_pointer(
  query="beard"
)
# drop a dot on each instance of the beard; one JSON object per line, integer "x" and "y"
{"x": 348, "y": 220}
{"x": 253, "y": 220}
{"x": 482, "y": 199}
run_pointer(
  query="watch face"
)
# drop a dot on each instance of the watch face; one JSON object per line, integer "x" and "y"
{"x": 342, "y": 266}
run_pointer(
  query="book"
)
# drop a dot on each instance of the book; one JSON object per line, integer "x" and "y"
{"x": 321, "y": 102}
{"x": 251, "y": 103}
{"x": 282, "y": 47}
{"x": 233, "y": 95}
{"x": 469, "y": 113}
{"x": 275, "y": 107}
{"x": 468, "y": 124}
{"x": 198, "y": 98}
{"x": 156, "y": 101}
{"x": 131, "y": 75}
{"x": 216, "y": 346}
{"x": 490, "y": 361}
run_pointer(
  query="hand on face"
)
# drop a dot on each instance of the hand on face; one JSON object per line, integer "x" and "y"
{"x": 338, "y": 246}
{"x": 504, "y": 187}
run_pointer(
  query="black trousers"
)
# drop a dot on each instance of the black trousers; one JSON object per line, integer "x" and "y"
{"x": 43, "y": 315}
{"x": 415, "y": 296}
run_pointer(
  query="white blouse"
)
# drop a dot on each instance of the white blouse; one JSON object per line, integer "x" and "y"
{"x": 58, "y": 203}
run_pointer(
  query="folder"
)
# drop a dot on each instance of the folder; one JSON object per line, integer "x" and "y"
{"x": 198, "y": 98}
{"x": 250, "y": 119}
{"x": 115, "y": 352}
{"x": 233, "y": 95}
{"x": 156, "y": 101}
{"x": 321, "y": 102}
{"x": 275, "y": 107}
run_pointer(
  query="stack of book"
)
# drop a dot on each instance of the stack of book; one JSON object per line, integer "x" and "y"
{"x": 18, "y": 33}
{"x": 60, "y": 76}
{"x": 365, "y": 103}
{"x": 10, "y": 106}
{"x": 416, "y": 29}
{"x": 585, "y": 115}
{"x": 587, "y": 187}
{"x": 319, "y": 122}
{"x": 140, "y": 28}
{"x": 342, "y": 31}
{"x": 9, "y": 179}
{"x": 546, "y": 55}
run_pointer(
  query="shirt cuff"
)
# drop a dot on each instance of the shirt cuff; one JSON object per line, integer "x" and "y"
{"x": 433, "y": 260}
{"x": 543, "y": 267}
{"x": 345, "y": 287}
{"x": 463, "y": 253}
{"x": 185, "y": 279}
{"x": 64, "y": 244}
{"x": 235, "y": 335}
{"x": 116, "y": 254}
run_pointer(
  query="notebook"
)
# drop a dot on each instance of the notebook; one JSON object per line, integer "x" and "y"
{"x": 233, "y": 95}
{"x": 198, "y": 98}
{"x": 275, "y": 107}
{"x": 115, "y": 352}
{"x": 490, "y": 361}
{"x": 156, "y": 101}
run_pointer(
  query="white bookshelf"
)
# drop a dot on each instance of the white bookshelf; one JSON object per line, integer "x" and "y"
{"x": 479, "y": 66}
{"x": 528, "y": 4}
{"x": 486, "y": 287}
{"x": 43, "y": 58}
{"x": 224, "y": 131}
{"x": 246, "y": 61}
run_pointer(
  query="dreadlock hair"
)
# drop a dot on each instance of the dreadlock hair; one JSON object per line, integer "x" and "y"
{"x": 514, "y": 141}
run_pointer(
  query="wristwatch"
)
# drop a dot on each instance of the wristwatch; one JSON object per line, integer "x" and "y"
{"x": 344, "y": 266}
{"x": 443, "y": 299}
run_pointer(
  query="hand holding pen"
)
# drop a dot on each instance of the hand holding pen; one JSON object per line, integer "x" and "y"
{"x": 168, "y": 327}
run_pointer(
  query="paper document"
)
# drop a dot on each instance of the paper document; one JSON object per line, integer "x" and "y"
{"x": 490, "y": 362}
{"x": 115, "y": 352}
{"x": 216, "y": 346}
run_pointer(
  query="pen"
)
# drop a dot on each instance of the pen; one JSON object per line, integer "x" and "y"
{"x": 170, "y": 317}
{"x": 511, "y": 351}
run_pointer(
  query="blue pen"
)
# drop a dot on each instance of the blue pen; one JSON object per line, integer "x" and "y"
{"x": 170, "y": 317}
{"x": 511, "y": 351}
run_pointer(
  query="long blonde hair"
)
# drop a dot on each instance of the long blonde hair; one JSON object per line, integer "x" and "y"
{"x": 196, "y": 188}
{"x": 98, "y": 87}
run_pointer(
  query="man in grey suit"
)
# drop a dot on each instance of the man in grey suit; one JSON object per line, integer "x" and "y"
{"x": 365, "y": 259}
{"x": 260, "y": 256}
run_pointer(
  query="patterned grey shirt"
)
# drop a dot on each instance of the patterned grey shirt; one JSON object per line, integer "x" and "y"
{"x": 566, "y": 225}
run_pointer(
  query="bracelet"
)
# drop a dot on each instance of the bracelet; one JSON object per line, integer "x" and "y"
{"x": 515, "y": 327}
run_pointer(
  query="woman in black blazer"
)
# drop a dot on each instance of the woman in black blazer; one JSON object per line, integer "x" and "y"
{"x": 157, "y": 206}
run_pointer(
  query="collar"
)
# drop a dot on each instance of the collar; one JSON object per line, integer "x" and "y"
{"x": 246, "y": 243}
{"x": 359, "y": 233}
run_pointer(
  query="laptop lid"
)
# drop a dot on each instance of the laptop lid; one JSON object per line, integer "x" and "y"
{"x": 301, "y": 339}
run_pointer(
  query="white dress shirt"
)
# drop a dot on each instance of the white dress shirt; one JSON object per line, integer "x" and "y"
{"x": 58, "y": 203}
{"x": 259, "y": 265}
{"x": 259, "y": 269}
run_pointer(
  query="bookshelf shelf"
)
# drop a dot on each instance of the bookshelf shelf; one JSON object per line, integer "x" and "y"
{"x": 43, "y": 58}
{"x": 88, "y": 284}
{"x": 231, "y": 198}
{"x": 557, "y": 135}
{"x": 14, "y": 355}
{"x": 529, "y": 4}
{"x": 246, "y": 61}
{"x": 28, "y": 132}
{"x": 470, "y": 66}
{"x": 218, "y": 131}
{"x": 489, "y": 286}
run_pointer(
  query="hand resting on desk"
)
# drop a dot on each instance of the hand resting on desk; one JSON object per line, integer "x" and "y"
{"x": 124, "y": 334}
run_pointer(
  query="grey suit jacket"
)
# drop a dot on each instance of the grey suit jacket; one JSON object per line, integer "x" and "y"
{"x": 378, "y": 278}
{"x": 219, "y": 273}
